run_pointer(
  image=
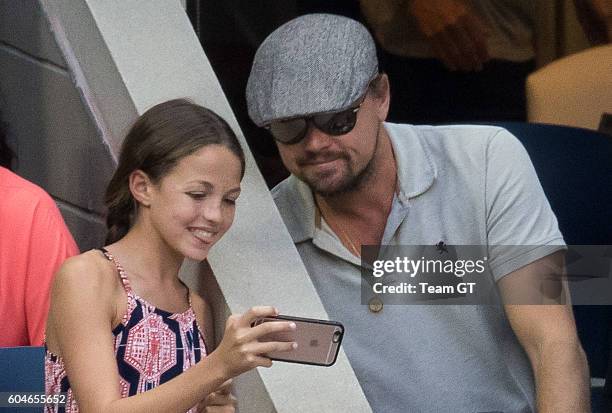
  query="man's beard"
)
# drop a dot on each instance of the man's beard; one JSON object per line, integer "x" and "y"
{"x": 350, "y": 182}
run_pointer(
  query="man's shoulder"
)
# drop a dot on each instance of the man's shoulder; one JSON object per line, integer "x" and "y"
{"x": 472, "y": 135}
{"x": 285, "y": 192}
{"x": 294, "y": 201}
{"x": 464, "y": 148}
{"x": 462, "y": 145}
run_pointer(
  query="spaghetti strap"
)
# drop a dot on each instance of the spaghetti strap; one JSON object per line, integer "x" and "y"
{"x": 124, "y": 279}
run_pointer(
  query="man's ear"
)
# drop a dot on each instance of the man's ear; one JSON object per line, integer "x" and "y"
{"x": 383, "y": 96}
{"x": 141, "y": 187}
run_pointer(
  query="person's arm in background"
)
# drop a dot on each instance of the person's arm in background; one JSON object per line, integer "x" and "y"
{"x": 50, "y": 244}
{"x": 548, "y": 334}
{"x": 455, "y": 32}
{"x": 595, "y": 16}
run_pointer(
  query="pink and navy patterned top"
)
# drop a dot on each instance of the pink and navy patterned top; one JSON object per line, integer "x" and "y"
{"x": 152, "y": 346}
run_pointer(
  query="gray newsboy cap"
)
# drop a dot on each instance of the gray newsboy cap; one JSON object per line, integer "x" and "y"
{"x": 312, "y": 64}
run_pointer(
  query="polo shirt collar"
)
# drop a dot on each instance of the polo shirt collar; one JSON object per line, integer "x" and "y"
{"x": 416, "y": 170}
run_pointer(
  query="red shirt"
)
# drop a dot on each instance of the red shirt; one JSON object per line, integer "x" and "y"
{"x": 34, "y": 242}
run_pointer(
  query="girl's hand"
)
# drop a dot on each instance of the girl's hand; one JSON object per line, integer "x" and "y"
{"x": 220, "y": 401}
{"x": 240, "y": 350}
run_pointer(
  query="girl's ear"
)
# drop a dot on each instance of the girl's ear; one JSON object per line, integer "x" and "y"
{"x": 141, "y": 187}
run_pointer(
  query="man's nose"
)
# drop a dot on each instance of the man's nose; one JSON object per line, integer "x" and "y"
{"x": 315, "y": 139}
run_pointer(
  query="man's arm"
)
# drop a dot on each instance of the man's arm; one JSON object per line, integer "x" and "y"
{"x": 547, "y": 332}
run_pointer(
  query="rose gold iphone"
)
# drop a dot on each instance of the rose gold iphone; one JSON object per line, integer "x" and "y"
{"x": 318, "y": 340}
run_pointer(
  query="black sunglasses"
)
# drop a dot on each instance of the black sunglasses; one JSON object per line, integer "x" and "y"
{"x": 291, "y": 131}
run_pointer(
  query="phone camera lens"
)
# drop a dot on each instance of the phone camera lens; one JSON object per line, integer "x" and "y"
{"x": 336, "y": 337}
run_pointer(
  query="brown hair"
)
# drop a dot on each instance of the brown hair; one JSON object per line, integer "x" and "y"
{"x": 157, "y": 141}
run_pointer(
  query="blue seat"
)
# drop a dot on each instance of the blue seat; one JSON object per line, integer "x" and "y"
{"x": 575, "y": 169}
{"x": 22, "y": 370}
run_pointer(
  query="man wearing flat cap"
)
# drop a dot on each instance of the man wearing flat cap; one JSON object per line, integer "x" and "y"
{"x": 357, "y": 180}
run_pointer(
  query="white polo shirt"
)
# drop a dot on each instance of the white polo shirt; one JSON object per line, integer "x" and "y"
{"x": 465, "y": 185}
